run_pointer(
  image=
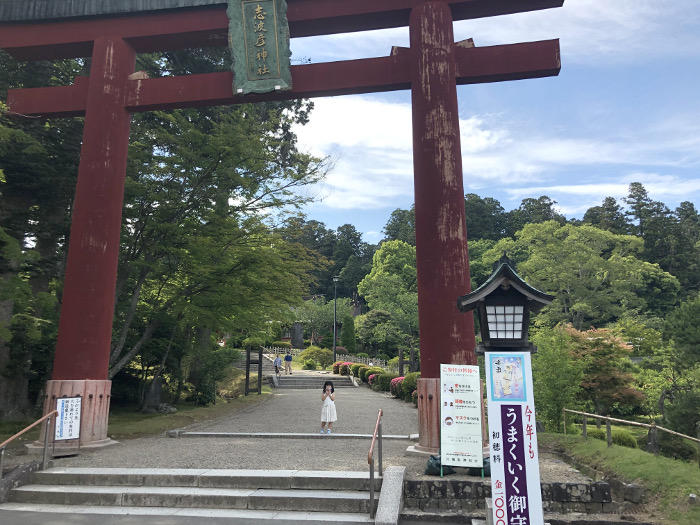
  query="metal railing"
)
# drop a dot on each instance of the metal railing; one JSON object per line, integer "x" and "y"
{"x": 608, "y": 420}
{"x": 370, "y": 459}
{"x": 44, "y": 461}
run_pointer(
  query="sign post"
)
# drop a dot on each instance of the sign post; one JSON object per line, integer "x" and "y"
{"x": 515, "y": 470}
{"x": 68, "y": 419}
{"x": 259, "y": 42}
{"x": 460, "y": 416}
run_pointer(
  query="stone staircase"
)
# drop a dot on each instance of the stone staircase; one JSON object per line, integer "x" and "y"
{"x": 302, "y": 381}
{"x": 258, "y": 496}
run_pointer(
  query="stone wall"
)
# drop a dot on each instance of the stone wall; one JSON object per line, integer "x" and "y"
{"x": 460, "y": 494}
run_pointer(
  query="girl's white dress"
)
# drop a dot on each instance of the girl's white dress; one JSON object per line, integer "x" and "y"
{"x": 328, "y": 413}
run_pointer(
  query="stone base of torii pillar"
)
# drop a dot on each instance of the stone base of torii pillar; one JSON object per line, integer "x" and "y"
{"x": 428, "y": 418}
{"x": 94, "y": 415}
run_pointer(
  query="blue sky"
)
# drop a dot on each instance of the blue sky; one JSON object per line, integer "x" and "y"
{"x": 624, "y": 108}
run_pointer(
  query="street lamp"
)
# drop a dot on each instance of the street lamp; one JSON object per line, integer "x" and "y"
{"x": 335, "y": 289}
{"x": 503, "y": 304}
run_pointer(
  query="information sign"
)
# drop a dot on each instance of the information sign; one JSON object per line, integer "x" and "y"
{"x": 68, "y": 419}
{"x": 460, "y": 416}
{"x": 515, "y": 470}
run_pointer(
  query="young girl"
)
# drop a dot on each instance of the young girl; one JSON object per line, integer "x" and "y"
{"x": 328, "y": 413}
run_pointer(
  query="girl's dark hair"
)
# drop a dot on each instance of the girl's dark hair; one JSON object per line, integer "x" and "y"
{"x": 328, "y": 383}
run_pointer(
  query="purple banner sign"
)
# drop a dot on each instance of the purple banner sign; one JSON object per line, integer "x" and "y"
{"x": 514, "y": 465}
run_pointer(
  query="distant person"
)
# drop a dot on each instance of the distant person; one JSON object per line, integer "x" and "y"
{"x": 277, "y": 363}
{"x": 371, "y": 364}
{"x": 288, "y": 363}
{"x": 328, "y": 413}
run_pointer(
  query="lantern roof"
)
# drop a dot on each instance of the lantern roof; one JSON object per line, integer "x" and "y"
{"x": 505, "y": 277}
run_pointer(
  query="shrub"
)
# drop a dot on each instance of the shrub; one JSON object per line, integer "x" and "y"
{"x": 361, "y": 371}
{"x": 336, "y": 367}
{"x": 371, "y": 370}
{"x": 383, "y": 357}
{"x": 282, "y": 344}
{"x": 322, "y": 356}
{"x": 395, "y": 387}
{"x": 309, "y": 364}
{"x": 410, "y": 383}
{"x": 619, "y": 437}
{"x": 327, "y": 341}
{"x": 354, "y": 368}
{"x": 371, "y": 378}
{"x": 363, "y": 354}
{"x": 676, "y": 447}
{"x": 345, "y": 368}
{"x": 384, "y": 381}
{"x": 340, "y": 350}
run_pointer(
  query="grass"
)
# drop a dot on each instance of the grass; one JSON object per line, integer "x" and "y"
{"x": 668, "y": 482}
{"x": 128, "y": 423}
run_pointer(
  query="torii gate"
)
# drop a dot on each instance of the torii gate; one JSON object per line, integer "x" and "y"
{"x": 431, "y": 68}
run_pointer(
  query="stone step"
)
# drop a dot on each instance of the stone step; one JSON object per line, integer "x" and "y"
{"x": 207, "y": 478}
{"x": 253, "y": 495}
{"x": 308, "y": 382}
{"x": 27, "y": 514}
{"x": 194, "y": 497}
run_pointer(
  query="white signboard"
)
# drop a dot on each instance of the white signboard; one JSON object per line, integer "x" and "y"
{"x": 460, "y": 416}
{"x": 515, "y": 470}
{"x": 68, "y": 419}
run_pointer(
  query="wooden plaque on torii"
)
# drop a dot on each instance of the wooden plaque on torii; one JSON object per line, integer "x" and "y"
{"x": 431, "y": 68}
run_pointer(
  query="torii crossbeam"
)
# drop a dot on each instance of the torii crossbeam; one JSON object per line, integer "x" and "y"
{"x": 431, "y": 68}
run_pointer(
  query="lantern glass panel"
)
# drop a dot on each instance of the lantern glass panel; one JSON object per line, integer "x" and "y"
{"x": 505, "y": 322}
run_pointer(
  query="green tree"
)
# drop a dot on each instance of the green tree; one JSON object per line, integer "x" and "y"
{"x": 533, "y": 211}
{"x": 196, "y": 249}
{"x": 608, "y": 382}
{"x": 608, "y": 216}
{"x": 401, "y": 226}
{"x": 683, "y": 329}
{"x": 486, "y": 218}
{"x": 316, "y": 315}
{"x": 595, "y": 275}
{"x": 556, "y": 375}
{"x": 38, "y": 169}
{"x": 391, "y": 287}
{"x": 347, "y": 334}
{"x": 378, "y": 330}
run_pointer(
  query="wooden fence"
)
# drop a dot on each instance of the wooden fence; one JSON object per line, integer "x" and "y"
{"x": 608, "y": 420}
{"x": 339, "y": 357}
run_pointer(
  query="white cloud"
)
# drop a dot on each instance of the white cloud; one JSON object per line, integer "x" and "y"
{"x": 591, "y": 31}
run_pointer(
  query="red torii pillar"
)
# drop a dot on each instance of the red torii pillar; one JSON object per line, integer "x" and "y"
{"x": 441, "y": 236}
{"x": 431, "y": 68}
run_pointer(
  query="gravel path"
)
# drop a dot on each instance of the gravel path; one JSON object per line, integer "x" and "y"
{"x": 292, "y": 411}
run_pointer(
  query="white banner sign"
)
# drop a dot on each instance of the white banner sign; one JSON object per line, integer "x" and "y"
{"x": 68, "y": 419}
{"x": 515, "y": 469}
{"x": 460, "y": 416}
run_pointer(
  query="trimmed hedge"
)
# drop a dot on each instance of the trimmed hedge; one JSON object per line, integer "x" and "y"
{"x": 619, "y": 437}
{"x": 364, "y": 374}
{"x": 361, "y": 371}
{"x": 282, "y": 344}
{"x": 354, "y": 368}
{"x": 410, "y": 383}
{"x": 384, "y": 381}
